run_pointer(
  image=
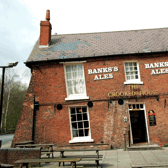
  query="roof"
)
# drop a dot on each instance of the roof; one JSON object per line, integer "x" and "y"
{"x": 69, "y": 46}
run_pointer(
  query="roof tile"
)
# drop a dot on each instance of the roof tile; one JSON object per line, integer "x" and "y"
{"x": 101, "y": 44}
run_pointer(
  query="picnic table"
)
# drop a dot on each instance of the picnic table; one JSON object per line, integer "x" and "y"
{"x": 6, "y": 165}
{"x": 96, "y": 157}
{"x": 43, "y": 147}
{"x": 24, "y": 143}
{"x": 25, "y": 162}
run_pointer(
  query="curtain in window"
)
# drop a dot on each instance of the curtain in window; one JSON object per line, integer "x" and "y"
{"x": 75, "y": 79}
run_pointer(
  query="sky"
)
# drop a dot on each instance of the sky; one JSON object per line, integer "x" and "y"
{"x": 20, "y": 22}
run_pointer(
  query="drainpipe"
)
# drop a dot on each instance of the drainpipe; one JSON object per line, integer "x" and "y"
{"x": 33, "y": 128}
{"x": 36, "y": 107}
{"x": 124, "y": 142}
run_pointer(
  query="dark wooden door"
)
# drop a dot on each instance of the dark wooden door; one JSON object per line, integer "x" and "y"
{"x": 138, "y": 126}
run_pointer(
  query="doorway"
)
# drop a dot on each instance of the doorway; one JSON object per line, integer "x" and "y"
{"x": 138, "y": 123}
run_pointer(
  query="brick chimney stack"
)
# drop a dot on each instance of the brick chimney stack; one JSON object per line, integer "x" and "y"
{"x": 45, "y": 31}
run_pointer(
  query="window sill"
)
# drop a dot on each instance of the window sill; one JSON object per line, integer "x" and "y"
{"x": 77, "y": 98}
{"x": 78, "y": 140}
{"x": 133, "y": 82}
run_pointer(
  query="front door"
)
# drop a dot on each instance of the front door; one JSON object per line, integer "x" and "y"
{"x": 138, "y": 126}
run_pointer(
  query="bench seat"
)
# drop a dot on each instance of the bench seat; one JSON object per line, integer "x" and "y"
{"x": 25, "y": 162}
{"x": 47, "y": 153}
{"x": 86, "y": 158}
{"x": 83, "y": 156}
{"x": 3, "y": 165}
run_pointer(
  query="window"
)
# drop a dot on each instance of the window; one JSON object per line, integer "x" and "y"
{"x": 80, "y": 126}
{"x": 75, "y": 82}
{"x": 132, "y": 73}
{"x": 136, "y": 106}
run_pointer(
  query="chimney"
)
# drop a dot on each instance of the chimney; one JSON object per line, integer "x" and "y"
{"x": 45, "y": 31}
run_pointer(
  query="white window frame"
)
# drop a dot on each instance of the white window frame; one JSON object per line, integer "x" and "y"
{"x": 80, "y": 139}
{"x": 134, "y": 81}
{"x": 75, "y": 96}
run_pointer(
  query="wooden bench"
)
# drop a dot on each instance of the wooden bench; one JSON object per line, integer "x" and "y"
{"x": 95, "y": 158}
{"x": 23, "y": 143}
{"x": 2, "y": 165}
{"x": 25, "y": 162}
{"x": 49, "y": 151}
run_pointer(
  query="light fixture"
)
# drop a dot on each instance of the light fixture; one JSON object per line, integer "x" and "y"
{"x": 157, "y": 98}
{"x": 59, "y": 106}
{"x": 120, "y": 101}
{"x": 90, "y": 104}
{"x": 12, "y": 64}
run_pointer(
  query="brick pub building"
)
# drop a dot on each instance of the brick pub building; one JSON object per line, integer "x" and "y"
{"x": 90, "y": 89}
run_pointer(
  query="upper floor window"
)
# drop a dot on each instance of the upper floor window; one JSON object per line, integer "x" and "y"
{"x": 75, "y": 82}
{"x": 132, "y": 73}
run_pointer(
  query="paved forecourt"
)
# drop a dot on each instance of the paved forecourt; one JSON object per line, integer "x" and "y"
{"x": 119, "y": 158}
{"x": 115, "y": 158}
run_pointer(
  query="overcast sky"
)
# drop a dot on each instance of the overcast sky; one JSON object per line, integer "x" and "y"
{"x": 20, "y": 21}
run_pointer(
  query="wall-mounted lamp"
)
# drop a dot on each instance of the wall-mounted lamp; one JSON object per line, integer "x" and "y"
{"x": 36, "y": 106}
{"x": 125, "y": 119}
{"x": 120, "y": 101}
{"x": 59, "y": 106}
{"x": 90, "y": 104}
{"x": 157, "y": 98}
{"x": 164, "y": 103}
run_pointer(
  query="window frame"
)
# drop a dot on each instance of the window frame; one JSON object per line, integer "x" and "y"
{"x": 75, "y": 96}
{"x": 79, "y": 139}
{"x": 134, "y": 81}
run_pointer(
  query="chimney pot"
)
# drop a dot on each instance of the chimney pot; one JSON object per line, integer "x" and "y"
{"x": 45, "y": 31}
{"x": 48, "y": 15}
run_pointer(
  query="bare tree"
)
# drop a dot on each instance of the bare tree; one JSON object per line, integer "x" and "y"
{"x": 12, "y": 89}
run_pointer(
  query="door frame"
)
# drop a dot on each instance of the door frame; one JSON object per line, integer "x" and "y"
{"x": 140, "y": 109}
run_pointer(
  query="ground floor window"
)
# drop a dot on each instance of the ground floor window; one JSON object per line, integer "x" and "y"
{"x": 80, "y": 125}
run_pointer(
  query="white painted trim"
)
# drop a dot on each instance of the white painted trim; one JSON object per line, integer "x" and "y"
{"x": 147, "y": 132}
{"x": 130, "y": 128}
{"x": 133, "y": 82}
{"x": 144, "y": 109}
{"x": 44, "y": 46}
{"x": 130, "y": 123}
{"x": 77, "y": 140}
{"x": 75, "y": 62}
{"x": 77, "y": 97}
{"x": 80, "y": 139}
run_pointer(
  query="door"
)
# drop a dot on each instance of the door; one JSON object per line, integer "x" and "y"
{"x": 138, "y": 125}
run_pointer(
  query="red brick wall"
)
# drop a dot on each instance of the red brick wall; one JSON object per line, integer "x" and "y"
{"x": 106, "y": 119}
{"x": 10, "y": 155}
{"x": 23, "y": 130}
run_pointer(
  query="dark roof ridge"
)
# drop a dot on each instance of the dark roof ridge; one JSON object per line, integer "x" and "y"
{"x": 110, "y": 31}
